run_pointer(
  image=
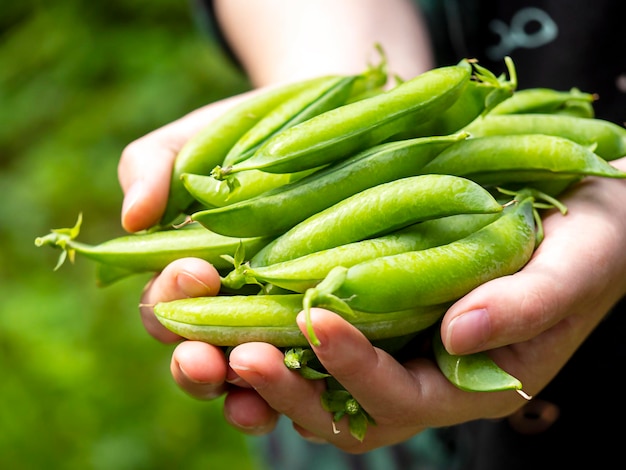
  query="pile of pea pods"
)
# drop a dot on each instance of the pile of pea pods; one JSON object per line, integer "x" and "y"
{"x": 384, "y": 205}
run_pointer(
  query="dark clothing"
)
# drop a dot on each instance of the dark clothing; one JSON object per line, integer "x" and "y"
{"x": 554, "y": 44}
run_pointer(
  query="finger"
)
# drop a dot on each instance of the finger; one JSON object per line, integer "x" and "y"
{"x": 185, "y": 277}
{"x": 199, "y": 369}
{"x": 286, "y": 391}
{"x": 248, "y": 412}
{"x": 576, "y": 273}
{"x": 402, "y": 400}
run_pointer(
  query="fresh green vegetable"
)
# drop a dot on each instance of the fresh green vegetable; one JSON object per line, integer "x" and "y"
{"x": 148, "y": 252}
{"x": 606, "y": 139}
{"x": 472, "y": 372}
{"x": 520, "y": 158}
{"x": 378, "y": 210}
{"x": 232, "y": 320}
{"x": 341, "y": 132}
{"x": 302, "y": 273}
{"x": 435, "y": 275}
{"x": 482, "y": 94}
{"x": 210, "y": 145}
{"x": 314, "y": 100}
{"x": 548, "y": 100}
{"x": 309, "y": 195}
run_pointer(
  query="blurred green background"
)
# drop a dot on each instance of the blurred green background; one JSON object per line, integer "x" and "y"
{"x": 83, "y": 385}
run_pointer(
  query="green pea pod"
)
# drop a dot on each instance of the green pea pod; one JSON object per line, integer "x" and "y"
{"x": 302, "y": 273}
{"x": 149, "y": 252}
{"x": 322, "y": 96}
{"x": 520, "y": 158}
{"x": 211, "y": 192}
{"x": 547, "y": 100}
{"x": 320, "y": 190}
{"x": 232, "y": 320}
{"x": 378, "y": 210}
{"x": 343, "y": 131}
{"x": 480, "y": 96}
{"x": 211, "y": 144}
{"x": 436, "y": 275}
{"x": 472, "y": 372}
{"x": 607, "y": 139}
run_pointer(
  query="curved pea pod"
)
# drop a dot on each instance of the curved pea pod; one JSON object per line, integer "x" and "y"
{"x": 211, "y": 144}
{"x": 320, "y": 97}
{"x": 607, "y": 139}
{"x": 378, "y": 210}
{"x": 302, "y": 273}
{"x": 520, "y": 158}
{"x": 436, "y": 275}
{"x": 148, "y": 252}
{"x": 346, "y": 130}
{"x": 232, "y": 320}
{"x": 472, "y": 372}
{"x": 211, "y": 192}
{"x": 278, "y": 210}
{"x": 548, "y": 100}
{"x": 482, "y": 94}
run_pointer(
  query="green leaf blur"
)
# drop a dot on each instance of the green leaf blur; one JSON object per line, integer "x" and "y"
{"x": 83, "y": 385}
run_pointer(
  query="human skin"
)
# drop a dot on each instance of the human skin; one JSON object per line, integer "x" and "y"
{"x": 532, "y": 321}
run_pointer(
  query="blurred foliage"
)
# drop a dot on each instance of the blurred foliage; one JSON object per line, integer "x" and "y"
{"x": 83, "y": 385}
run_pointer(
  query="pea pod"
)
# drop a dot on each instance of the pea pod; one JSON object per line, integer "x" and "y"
{"x": 607, "y": 139}
{"x": 343, "y": 131}
{"x": 149, "y": 252}
{"x": 211, "y": 192}
{"x": 547, "y": 100}
{"x": 480, "y": 96}
{"x": 314, "y": 100}
{"x": 523, "y": 158}
{"x": 435, "y": 275}
{"x": 210, "y": 145}
{"x": 472, "y": 372}
{"x": 320, "y": 190}
{"x": 232, "y": 320}
{"x": 302, "y": 273}
{"x": 379, "y": 210}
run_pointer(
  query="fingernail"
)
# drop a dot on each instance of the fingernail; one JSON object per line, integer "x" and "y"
{"x": 191, "y": 285}
{"x": 468, "y": 331}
